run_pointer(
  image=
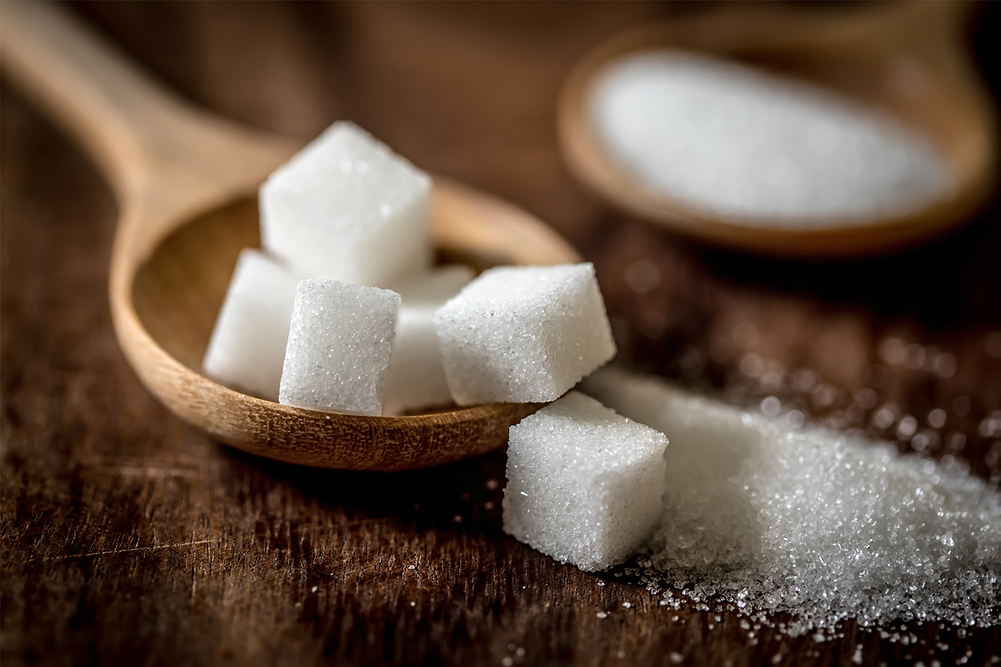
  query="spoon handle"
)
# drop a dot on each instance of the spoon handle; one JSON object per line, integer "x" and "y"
{"x": 159, "y": 153}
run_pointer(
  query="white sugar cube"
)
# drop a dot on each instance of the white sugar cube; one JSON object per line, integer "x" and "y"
{"x": 347, "y": 208}
{"x": 416, "y": 374}
{"x": 584, "y": 484}
{"x": 247, "y": 347}
{"x": 338, "y": 347}
{"x": 523, "y": 334}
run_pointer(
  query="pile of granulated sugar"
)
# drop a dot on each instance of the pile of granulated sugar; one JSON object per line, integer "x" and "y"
{"x": 759, "y": 149}
{"x": 810, "y": 522}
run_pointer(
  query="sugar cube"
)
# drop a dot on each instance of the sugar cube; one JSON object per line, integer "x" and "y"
{"x": 339, "y": 346}
{"x": 347, "y": 208}
{"x": 416, "y": 374}
{"x": 523, "y": 334}
{"x": 247, "y": 347}
{"x": 584, "y": 484}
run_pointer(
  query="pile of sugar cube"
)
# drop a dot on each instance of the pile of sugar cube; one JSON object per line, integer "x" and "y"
{"x": 341, "y": 309}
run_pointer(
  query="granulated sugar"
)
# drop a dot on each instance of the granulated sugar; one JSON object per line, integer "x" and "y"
{"x": 808, "y": 521}
{"x": 759, "y": 149}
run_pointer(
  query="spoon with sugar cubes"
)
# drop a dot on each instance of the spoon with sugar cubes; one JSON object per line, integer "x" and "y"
{"x": 287, "y": 356}
{"x": 818, "y": 132}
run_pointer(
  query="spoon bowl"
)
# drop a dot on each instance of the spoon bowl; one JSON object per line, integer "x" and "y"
{"x": 186, "y": 183}
{"x": 903, "y": 58}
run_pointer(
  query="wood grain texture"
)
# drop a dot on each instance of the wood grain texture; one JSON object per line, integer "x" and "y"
{"x": 128, "y": 537}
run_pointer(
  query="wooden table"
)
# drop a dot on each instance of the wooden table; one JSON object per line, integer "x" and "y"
{"x": 128, "y": 537}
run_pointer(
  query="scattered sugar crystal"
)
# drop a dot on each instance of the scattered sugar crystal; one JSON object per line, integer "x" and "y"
{"x": 339, "y": 346}
{"x": 812, "y": 522}
{"x": 759, "y": 149}
{"x": 247, "y": 347}
{"x": 348, "y": 208}
{"x": 584, "y": 484}
{"x": 523, "y": 334}
{"x": 416, "y": 374}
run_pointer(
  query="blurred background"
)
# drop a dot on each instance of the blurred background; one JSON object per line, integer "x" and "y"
{"x": 128, "y": 536}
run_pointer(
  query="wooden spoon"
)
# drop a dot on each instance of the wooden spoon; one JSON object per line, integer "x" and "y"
{"x": 906, "y": 58}
{"x": 187, "y": 184}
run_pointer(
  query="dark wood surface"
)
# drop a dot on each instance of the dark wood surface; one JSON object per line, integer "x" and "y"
{"x": 128, "y": 537}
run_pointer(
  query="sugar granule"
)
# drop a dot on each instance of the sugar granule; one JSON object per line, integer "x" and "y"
{"x": 811, "y": 522}
{"x": 759, "y": 149}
